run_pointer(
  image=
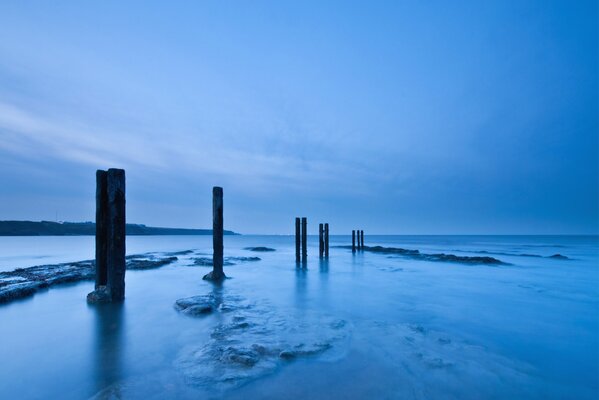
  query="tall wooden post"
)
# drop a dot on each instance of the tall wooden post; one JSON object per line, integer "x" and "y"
{"x": 326, "y": 240}
{"x": 362, "y": 240}
{"x": 297, "y": 239}
{"x": 358, "y": 241}
{"x": 110, "y": 237}
{"x": 320, "y": 240}
{"x": 115, "y": 251}
{"x": 304, "y": 239}
{"x": 353, "y": 241}
{"x": 101, "y": 222}
{"x": 217, "y": 273}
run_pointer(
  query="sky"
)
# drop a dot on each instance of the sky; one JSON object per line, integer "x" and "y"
{"x": 400, "y": 117}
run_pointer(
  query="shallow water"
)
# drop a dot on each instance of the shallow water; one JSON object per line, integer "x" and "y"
{"x": 361, "y": 325}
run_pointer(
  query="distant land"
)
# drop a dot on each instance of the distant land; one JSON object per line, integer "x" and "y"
{"x": 48, "y": 228}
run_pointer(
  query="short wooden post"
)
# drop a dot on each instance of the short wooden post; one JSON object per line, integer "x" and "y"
{"x": 115, "y": 251}
{"x": 304, "y": 239}
{"x": 362, "y": 240}
{"x": 353, "y": 241}
{"x": 297, "y": 239}
{"x": 326, "y": 240}
{"x": 320, "y": 240}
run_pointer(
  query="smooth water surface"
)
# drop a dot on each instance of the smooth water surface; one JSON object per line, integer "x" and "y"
{"x": 384, "y": 327}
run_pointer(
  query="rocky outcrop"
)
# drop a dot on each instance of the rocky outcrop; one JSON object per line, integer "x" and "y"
{"x": 254, "y": 339}
{"x": 24, "y": 282}
{"x": 417, "y": 255}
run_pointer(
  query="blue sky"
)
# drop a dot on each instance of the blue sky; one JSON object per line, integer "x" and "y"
{"x": 401, "y": 117}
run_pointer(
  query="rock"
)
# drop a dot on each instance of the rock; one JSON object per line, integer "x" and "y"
{"x": 211, "y": 277}
{"x": 100, "y": 295}
{"x": 24, "y": 282}
{"x": 259, "y": 249}
{"x": 19, "y": 290}
{"x": 254, "y": 340}
{"x": 137, "y": 264}
{"x": 197, "y": 305}
{"x": 417, "y": 255}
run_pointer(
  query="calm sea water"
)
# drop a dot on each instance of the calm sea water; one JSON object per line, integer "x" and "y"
{"x": 388, "y": 327}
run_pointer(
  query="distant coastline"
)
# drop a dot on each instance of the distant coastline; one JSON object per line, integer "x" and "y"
{"x": 49, "y": 228}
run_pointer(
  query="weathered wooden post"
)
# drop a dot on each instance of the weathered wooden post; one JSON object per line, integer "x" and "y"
{"x": 115, "y": 251}
{"x": 217, "y": 273}
{"x": 353, "y": 241}
{"x": 320, "y": 240}
{"x": 362, "y": 240}
{"x": 110, "y": 237}
{"x": 358, "y": 241}
{"x": 101, "y": 223}
{"x": 304, "y": 239}
{"x": 297, "y": 239}
{"x": 326, "y": 240}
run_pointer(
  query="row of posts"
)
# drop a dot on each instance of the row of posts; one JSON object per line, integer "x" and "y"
{"x": 357, "y": 240}
{"x": 110, "y": 237}
{"x": 301, "y": 240}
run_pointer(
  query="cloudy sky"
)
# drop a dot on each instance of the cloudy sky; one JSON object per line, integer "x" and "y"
{"x": 400, "y": 117}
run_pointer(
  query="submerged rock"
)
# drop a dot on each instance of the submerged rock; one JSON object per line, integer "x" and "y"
{"x": 197, "y": 305}
{"x": 210, "y": 276}
{"x": 260, "y": 249}
{"x": 100, "y": 295}
{"x": 254, "y": 340}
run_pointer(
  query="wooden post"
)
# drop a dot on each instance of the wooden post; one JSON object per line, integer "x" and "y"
{"x": 362, "y": 240}
{"x": 304, "y": 239}
{"x": 110, "y": 237}
{"x": 326, "y": 240}
{"x": 297, "y": 239}
{"x": 320, "y": 240}
{"x": 217, "y": 273}
{"x": 353, "y": 241}
{"x": 115, "y": 251}
{"x": 101, "y": 220}
{"x": 358, "y": 241}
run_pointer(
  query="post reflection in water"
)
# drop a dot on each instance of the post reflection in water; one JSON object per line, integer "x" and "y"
{"x": 108, "y": 345}
{"x": 301, "y": 281}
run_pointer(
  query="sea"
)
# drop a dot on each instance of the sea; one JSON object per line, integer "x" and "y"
{"x": 363, "y": 325}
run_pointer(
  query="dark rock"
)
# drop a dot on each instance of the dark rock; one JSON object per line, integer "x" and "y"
{"x": 243, "y": 357}
{"x": 260, "y": 249}
{"x": 417, "y": 255}
{"x": 138, "y": 264}
{"x": 211, "y": 276}
{"x": 100, "y": 295}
